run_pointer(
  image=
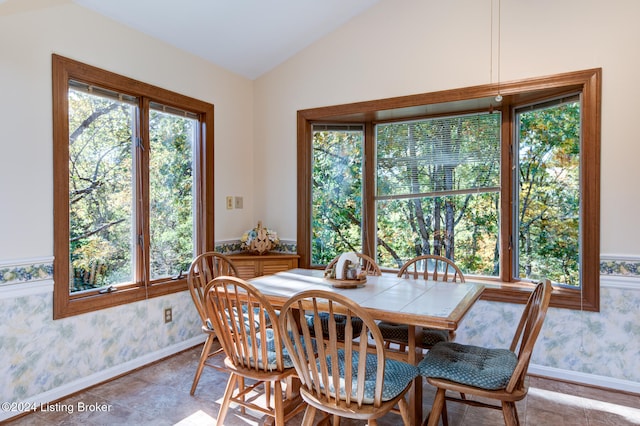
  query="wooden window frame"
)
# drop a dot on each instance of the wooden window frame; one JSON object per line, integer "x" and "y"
{"x": 63, "y": 70}
{"x": 504, "y": 288}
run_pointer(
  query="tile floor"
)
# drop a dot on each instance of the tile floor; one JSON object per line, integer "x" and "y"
{"x": 159, "y": 395}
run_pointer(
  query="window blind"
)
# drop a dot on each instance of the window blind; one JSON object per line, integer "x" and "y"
{"x": 438, "y": 156}
{"x": 132, "y": 100}
{"x": 103, "y": 92}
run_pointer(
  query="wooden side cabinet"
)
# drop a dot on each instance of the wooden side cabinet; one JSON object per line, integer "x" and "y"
{"x": 254, "y": 265}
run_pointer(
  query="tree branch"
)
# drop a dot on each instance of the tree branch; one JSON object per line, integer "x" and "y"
{"x": 95, "y": 231}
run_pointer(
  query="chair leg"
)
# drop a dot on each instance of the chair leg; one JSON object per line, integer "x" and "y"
{"x": 510, "y": 413}
{"x": 404, "y": 411}
{"x": 515, "y": 413}
{"x": 278, "y": 403}
{"x": 231, "y": 384}
{"x": 243, "y": 409}
{"x": 206, "y": 348}
{"x": 443, "y": 414}
{"x": 309, "y": 414}
{"x": 436, "y": 409}
{"x": 289, "y": 390}
{"x": 267, "y": 393}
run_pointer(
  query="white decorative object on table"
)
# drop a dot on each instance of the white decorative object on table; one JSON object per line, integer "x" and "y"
{"x": 349, "y": 256}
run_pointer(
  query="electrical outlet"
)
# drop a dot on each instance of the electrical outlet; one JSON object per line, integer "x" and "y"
{"x": 229, "y": 202}
{"x": 168, "y": 315}
{"x": 238, "y": 202}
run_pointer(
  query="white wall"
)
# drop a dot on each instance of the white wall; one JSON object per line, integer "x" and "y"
{"x": 404, "y": 47}
{"x": 27, "y": 41}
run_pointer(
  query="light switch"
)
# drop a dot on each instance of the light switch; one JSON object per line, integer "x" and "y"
{"x": 238, "y": 203}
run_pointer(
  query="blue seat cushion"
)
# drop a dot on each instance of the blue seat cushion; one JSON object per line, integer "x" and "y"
{"x": 400, "y": 333}
{"x": 397, "y": 376}
{"x": 246, "y": 317}
{"x": 271, "y": 352}
{"x": 341, "y": 323}
{"x": 475, "y": 366}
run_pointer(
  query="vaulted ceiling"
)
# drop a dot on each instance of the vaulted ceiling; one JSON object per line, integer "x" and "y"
{"x": 248, "y": 37}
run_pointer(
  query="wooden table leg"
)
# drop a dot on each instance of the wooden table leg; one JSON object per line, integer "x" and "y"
{"x": 415, "y": 394}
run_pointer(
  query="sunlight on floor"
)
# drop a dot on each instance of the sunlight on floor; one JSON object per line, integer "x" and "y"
{"x": 200, "y": 418}
{"x": 629, "y": 413}
{"x": 197, "y": 419}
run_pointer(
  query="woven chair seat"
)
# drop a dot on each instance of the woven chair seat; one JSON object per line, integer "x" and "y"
{"x": 483, "y": 368}
{"x": 341, "y": 322}
{"x": 397, "y": 376}
{"x": 399, "y": 333}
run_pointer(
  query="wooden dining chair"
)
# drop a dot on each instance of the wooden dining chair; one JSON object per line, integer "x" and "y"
{"x": 347, "y": 378}
{"x": 204, "y": 268}
{"x": 497, "y": 374}
{"x": 368, "y": 265}
{"x": 427, "y": 267}
{"x": 248, "y": 330}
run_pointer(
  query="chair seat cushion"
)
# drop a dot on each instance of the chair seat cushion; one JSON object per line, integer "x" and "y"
{"x": 341, "y": 323}
{"x": 246, "y": 317}
{"x": 271, "y": 352}
{"x": 475, "y": 366}
{"x": 400, "y": 333}
{"x": 397, "y": 376}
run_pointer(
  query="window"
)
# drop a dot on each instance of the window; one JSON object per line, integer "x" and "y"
{"x": 437, "y": 190}
{"x": 132, "y": 188}
{"x": 336, "y": 191}
{"x": 509, "y": 191}
{"x": 547, "y": 179}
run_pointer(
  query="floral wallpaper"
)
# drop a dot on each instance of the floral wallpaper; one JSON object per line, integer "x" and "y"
{"x": 38, "y": 354}
{"x": 13, "y": 274}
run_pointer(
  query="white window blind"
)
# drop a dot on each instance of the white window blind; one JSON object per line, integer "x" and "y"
{"x": 103, "y": 92}
{"x": 438, "y": 156}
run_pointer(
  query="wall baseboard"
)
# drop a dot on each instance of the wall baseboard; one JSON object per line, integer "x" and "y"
{"x": 585, "y": 378}
{"x": 67, "y": 389}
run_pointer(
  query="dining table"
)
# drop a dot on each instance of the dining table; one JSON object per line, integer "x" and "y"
{"x": 418, "y": 303}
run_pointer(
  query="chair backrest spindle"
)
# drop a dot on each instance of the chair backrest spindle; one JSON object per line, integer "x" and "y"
{"x": 420, "y": 267}
{"x": 203, "y": 269}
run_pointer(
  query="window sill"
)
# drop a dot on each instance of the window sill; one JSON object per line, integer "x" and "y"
{"x": 518, "y": 292}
